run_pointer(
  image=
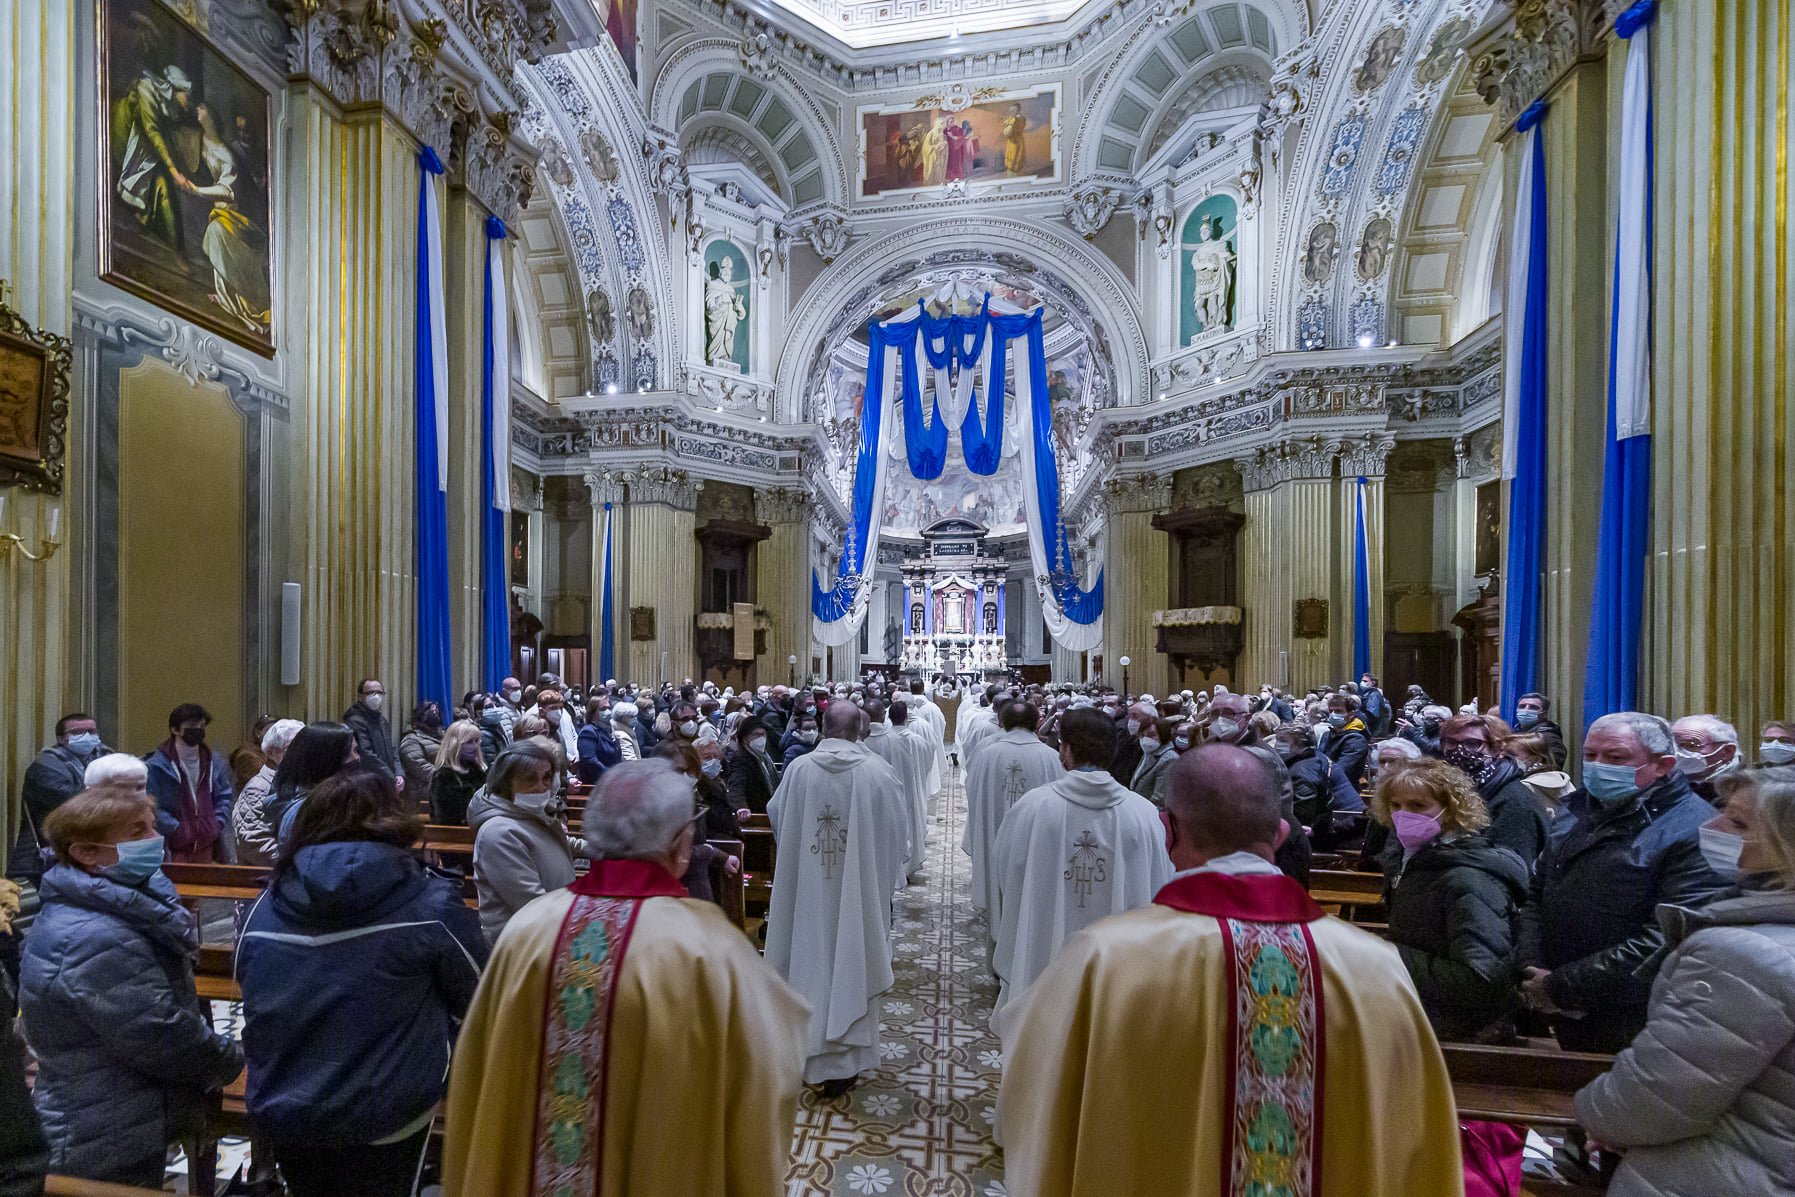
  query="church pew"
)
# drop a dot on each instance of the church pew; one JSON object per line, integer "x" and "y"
{"x": 732, "y": 892}
{"x": 242, "y": 883}
{"x": 760, "y": 856}
{"x": 1532, "y": 1086}
{"x": 74, "y": 1186}
{"x": 1331, "y": 887}
{"x": 214, "y": 975}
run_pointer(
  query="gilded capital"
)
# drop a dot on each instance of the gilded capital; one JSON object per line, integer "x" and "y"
{"x": 1137, "y": 492}
{"x": 658, "y": 484}
{"x": 781, "y": 505}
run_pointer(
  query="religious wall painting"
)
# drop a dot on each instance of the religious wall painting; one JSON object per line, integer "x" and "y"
{"x": 727, "y": 283}
{"x": 34, "y": 403}
{"x": 1319, "y": 253}
{"x": 184, "y": 174}
{"x": 999, "y": 137}
{"x": 520, "y": 548}
{"x": 1487, "y": 546}
{"x": 995, "y": 501}
{"x": 598, "y": 154}
{"x": 620, "y": 23}
{"x": 1442, "y": 51}
{"x": 1208, "y": 264}
{"x": 1380, "y": 58}
{"x": 1374, "y": 249}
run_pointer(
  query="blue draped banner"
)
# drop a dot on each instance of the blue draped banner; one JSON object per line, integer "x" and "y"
{"x": 1524, "y": 419}
{"x": 495, "y": 466}
{"x": 607, "y": 634}
{"x": 1611, "y": 677}
{"x": 1361, "y": 593}
{"x": 432, "y": 464}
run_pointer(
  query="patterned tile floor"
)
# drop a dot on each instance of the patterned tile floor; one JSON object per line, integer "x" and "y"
{"x": 920, "y": 1126}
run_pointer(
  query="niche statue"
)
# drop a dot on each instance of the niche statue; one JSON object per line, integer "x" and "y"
{"x": 724, "y": 308}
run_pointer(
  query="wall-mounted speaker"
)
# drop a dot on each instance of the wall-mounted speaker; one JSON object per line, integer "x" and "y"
{"x": 289, "y": 633}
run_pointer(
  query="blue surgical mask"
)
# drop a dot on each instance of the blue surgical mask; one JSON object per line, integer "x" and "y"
{"x": 1526, "y": 719}
{"x": 138, "y": 861}
{"x": 712, "y": 767}
{"x": 1336, "y": 720}
{"x": 85, "y": 743}
{"x": 1610, "y": 784}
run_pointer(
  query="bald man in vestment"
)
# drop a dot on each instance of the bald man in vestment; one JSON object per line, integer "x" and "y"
{"x": 887, "y": 740}
{"x": 1229, "y": 1038}
{"x": 626, "y": 1040}
{"x": 1009, "y": 765}
{"x": 839, "y": 820}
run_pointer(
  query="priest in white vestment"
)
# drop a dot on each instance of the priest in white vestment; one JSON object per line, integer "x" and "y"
{"x": 929, "y": 725}
{"x": 626, "y": 1040}
{"x": 1228, "y": 1037}
{"x": 1071, "y": 852}
{"x": 891, "y": 744}
{"x": 1012, "y": 762}
{"x": 838, "y": 819}
{"x": 978, "y": 725}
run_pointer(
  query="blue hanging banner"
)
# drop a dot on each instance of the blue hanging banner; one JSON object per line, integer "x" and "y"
{"x": 1361, "y": 593}
{"x": 431, "y": 417}
{"x": 495, "y": 470}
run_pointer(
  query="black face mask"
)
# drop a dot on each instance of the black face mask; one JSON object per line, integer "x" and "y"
{"x": 193, "y": 737}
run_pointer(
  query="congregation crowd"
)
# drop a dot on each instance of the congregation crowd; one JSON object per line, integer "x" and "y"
{"x": 1639, "y": 903}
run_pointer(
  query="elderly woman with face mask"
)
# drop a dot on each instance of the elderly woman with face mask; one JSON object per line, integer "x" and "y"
{"x": 1703, "y": 1100}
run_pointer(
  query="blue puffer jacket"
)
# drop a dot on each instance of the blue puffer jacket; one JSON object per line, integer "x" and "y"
{"x": 356, "y": 966}
{"x": 125, "y": 1055}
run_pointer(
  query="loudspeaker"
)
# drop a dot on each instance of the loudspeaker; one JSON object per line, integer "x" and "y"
{"x": 289, "y": 633}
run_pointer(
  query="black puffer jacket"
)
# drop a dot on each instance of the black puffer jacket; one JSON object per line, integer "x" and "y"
{"x": 1516, "y": 822}
{"x": 1454, "y": 913}
{"x": 1591, "y": 919}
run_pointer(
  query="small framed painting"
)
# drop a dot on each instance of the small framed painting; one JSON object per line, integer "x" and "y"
{"x": 34, "y": 404}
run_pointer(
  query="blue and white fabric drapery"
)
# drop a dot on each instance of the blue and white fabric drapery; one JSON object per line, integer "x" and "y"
{"x": 431, "y": 440}
{"x": 1361, "y": 591}
{"x": 495, "y": 466}
{"x": 981, "y": 346}
{"x": 607, "y": 635}
{"x": 1524, "y": 417}
{"x": 1611, "y": 678}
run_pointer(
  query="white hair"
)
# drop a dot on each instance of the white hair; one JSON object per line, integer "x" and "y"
{"x": 280, "y": 736}
{"x": 638, "y": 810}
{"x": 1399, "y": 747}
{"x": 1436, "y": 711}
{"x": 116, "y": 768}
{"x": 1716, "y": 728}
{"x": 1652, "y": 732}
{"x": 623, "y": 712}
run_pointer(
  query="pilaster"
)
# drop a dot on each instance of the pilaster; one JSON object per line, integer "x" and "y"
{"x": 1363, "y": 457}
{"x": 1135, "y": 580}
{"x": 782, "y": 582}
{"x": 605, "y": 494}
{"x": 662, "y": 572}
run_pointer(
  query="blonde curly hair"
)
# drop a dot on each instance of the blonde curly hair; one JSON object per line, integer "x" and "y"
{"x": 1444, "y": 783}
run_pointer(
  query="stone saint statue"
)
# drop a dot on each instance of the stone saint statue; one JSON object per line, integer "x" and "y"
{"x": 1212, "y": 271}
{"x": 724, "y": 308}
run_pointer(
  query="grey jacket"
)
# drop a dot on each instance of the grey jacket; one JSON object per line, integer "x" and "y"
{"x": 124, "y": 1053}
{"x": 1149, "y": 774}
{"x": 256, "y": 843}
{"x": 1705, "y": 1096}
{"x": 519, "y": 855}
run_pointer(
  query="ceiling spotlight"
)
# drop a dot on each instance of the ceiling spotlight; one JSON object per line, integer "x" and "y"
{"x": 1365, "y": 341}
{"x": 610, "y": 388}
{"x": 1163, "y": 396}
{"x": 1393, "y": 343}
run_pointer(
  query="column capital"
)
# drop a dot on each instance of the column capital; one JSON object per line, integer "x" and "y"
{"x": 602, "y": 488}
{"x": 1366, "y": 455}
{"x": 1137, "y": 492}
{"x": 658, "y": 484}
{"x": 781, "y": 504}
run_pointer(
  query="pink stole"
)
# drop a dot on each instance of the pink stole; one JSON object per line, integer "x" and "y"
{"x": 570, "y": 1110}
{"x": 1276, "y": 1029}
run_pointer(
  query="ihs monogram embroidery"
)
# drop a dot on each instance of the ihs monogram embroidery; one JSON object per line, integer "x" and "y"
{"x": 1085, "y": 866}
{"x": 1014, "y": 786}
{"x": 831, "y": 841}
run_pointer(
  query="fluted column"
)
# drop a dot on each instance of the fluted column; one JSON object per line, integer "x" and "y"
{"x": 464, "y": 287}
{"x": 782, "y": 582}
{"x": 1265, "y": 571}
{"x": 663, "y": 572}
{"x": 1135, "y": 571}
{"x": 1363, "y": 457}
{"x": 603, "y": 489}
{"x": 1290, "y": 549}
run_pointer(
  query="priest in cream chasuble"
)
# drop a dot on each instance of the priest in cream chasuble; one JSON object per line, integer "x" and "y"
{"x": 1010, "y": 763}
{"x": 1229, "y": 1039}
{"x": 838, "y": 817}
{"x": 626, "y": 1040}
{"x": 897, "y": 748}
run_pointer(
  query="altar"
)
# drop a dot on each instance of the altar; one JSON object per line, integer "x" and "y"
{"x": 955, "y": 620}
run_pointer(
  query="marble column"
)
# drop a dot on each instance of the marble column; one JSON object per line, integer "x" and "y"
{"x": 37, "y": 142}
{"x": 1264, "y": 572}
{"x": 1363, "y": 457}
{"x": 464, "y": 286}
{"x": 1290, "y": 553}
{"x": 603, "y": 489}
{"x": 782, "y": 582}
{"x": 663, "y": 572}
{"x": 1135, "y": 580}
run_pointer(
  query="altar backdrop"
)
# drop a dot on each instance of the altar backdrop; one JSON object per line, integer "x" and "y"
{"x": 982, "y": 346}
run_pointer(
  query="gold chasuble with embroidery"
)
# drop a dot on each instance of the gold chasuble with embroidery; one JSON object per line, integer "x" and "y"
{"x": 626, "y": 1041}
{"x": 1230, "y": 1040}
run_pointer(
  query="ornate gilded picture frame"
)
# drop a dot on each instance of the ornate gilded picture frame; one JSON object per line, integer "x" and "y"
{"x": 1309, "y": 619}
{"x": 34, "y": 403}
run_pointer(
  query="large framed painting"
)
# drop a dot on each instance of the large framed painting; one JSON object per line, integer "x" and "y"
{"x": 1487, "y": 547}
{"x": 34, "y": 404}
{"x": 184, "y": 181}
{"x": 985, "y": 137}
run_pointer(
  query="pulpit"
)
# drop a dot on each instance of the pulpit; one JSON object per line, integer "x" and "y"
{"x": 725, "y": 579}
{"x": 1204, "y": 627}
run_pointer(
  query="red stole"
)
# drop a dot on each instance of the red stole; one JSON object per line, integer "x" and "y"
{"x": 588, "y": 959}
{"x": 1276, "y": 1029}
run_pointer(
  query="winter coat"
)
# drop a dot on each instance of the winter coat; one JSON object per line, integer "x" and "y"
{"x": 1128, "y": 755}
{"x": 1319, "y": 788}
{"x": 355, "y": 964}
{"x": 452, "y": 789}
{"x": 751, "y": 781}
{"x": 1348, "y": 747}
{"x": 125, "y": 1052}
{"x": 598, "y": 751}
{"x": 626, "y": 744}
{"x": 256, "y": 844}
{"x": 1590, "y": 919}
{"x": 646, "y": 737}
{"x": 168, "y": 786}
{"x": 24, "y": 1156}
{"x": 794, "y": 748}
{"x": 57, "y": 775}
{"x": 373, "y": 737}
{"x": 1378, "y": 716}
{"x": 1516, "y": 821}
{"x": 417, "y": 756}
{"x": 1704, "y": 1098}
{"x": 1454, "y": 910}
{"x": 1150, "y": 774}
{"x": 495, "y": 732}
{"x": 519, "y": 855}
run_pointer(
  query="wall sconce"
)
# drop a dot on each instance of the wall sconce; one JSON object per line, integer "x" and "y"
{"x": 46, "y": 547}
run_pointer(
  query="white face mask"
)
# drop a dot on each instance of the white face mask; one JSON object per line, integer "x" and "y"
{"x": 1225, "y": 729}
{"x": 1149, "y": 745}
{"x": 757, "y": 743}
{"x": 533, "y": 801}
{"x": 1134, "y": 727}
{"x": 688, "y": 728}
{"x": 1777, "y": 752}
{"x": 373, "y": 701}
{"x": 1691, "y": 763}
{"x": 1721, "y": 849}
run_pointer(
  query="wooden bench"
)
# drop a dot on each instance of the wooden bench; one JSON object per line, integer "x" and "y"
{"x": 241, "y": 883}
{"x": 1532, "y": 1086}
{"x": 72, "y": 1186}
{"x": 1331, "y": 887}
{"x": 214, "y": 974}
{"x": 760, "y": 856}
{"x": 731, "y": 891}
